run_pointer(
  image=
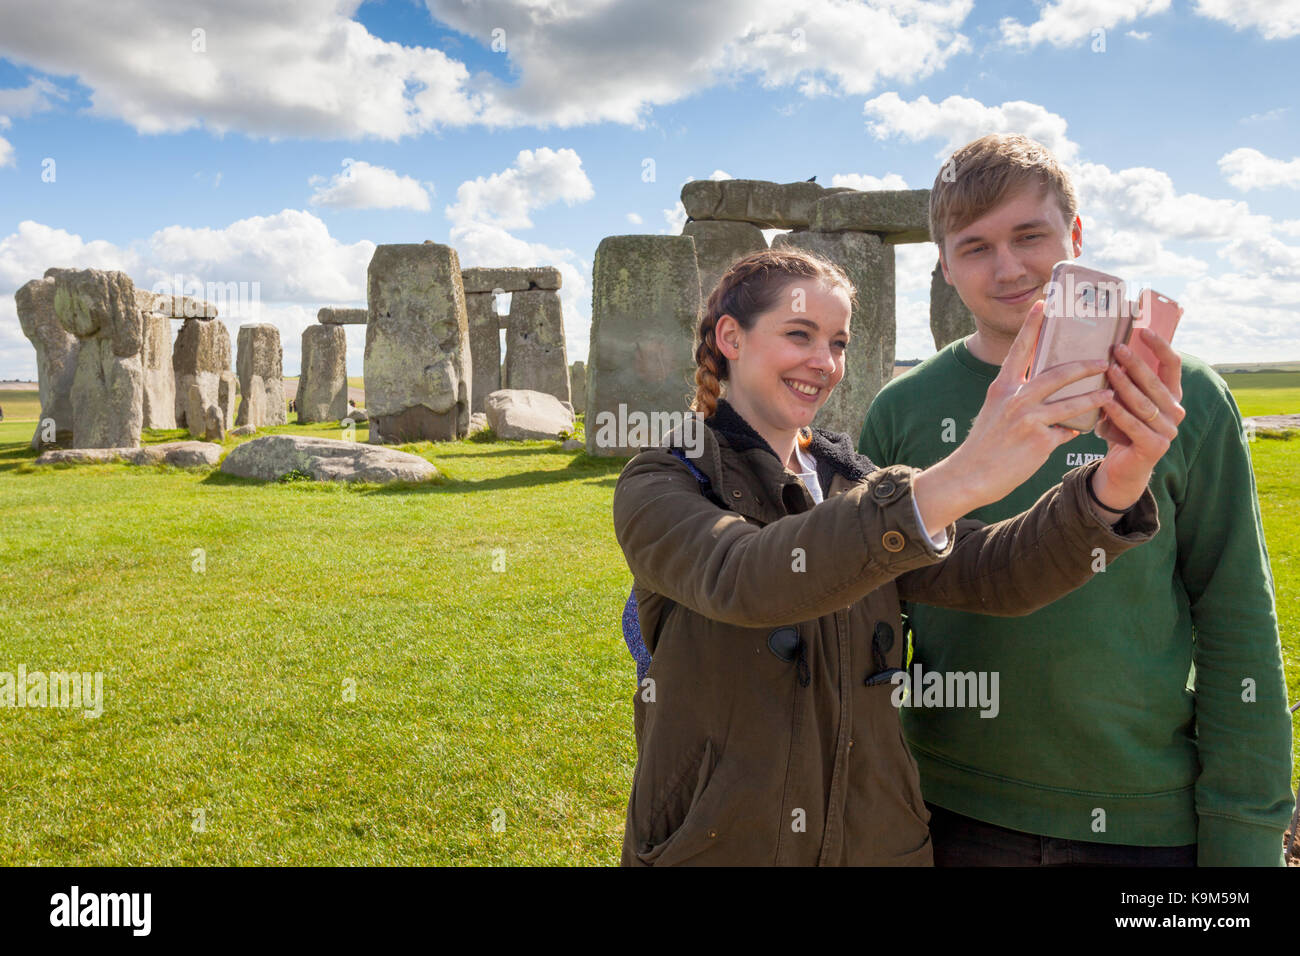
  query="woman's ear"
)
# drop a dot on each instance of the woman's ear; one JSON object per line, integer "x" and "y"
{"x": 728, "y": 333}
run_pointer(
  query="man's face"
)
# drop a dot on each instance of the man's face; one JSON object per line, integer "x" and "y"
{"x": 1000, "y": 263}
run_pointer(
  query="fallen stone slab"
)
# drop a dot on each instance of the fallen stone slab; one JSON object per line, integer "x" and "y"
{"x": 518, "y": 414}
{"x": 332, "y": 316}
{"x": 898, "y": 215}
{"x": 324, "y": 459}
{"x": 242, "y": 430}
{"x": 510, "y": 279}
{"x": 179, "y": 454}
{"x": 1272, "y": 424}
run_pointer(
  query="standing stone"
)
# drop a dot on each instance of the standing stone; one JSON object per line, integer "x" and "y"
{"x": 949, "y": 318}
{"x": 535, "y": 358}
{"x": 578, "y": 386}
{"x": 195, "y": 410}
{"x": 100, "y": 309}
{"x": 718, "y": 245}
{"x": 644, "y": 309}
{"x": 56, "y": 360}
{"x": 260, "y": 363}
{"x": 484, "y": 346}
{"x": 200, "y": 355}
{"x": 158, "y": 403}
{"x": 418, "y": 368}
{"x": 869, "y": 263}
{"x": 227, "y": 398}
{"x": 323, "y": 381}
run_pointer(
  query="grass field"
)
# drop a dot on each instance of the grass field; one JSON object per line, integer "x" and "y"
{"x": 349, "y": 674}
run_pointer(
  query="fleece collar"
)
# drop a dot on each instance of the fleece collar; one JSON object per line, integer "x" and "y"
{"x": 762, "y": 480}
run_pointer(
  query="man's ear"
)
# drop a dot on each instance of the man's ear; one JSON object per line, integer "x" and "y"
{"x": 943, "y": 264}
{"x": 1076, "y": 237}
{"x": 728, "y": 333}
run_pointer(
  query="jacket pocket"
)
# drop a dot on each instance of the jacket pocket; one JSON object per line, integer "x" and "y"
{"x": 673, "y": 832}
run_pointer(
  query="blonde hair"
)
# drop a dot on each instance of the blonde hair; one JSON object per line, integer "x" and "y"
{"x": 980, "y": 174}
{"x": 752, "y": 285}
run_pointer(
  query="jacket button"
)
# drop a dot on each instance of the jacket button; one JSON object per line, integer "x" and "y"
{"x": 893, "y": 541}
{"x": 885, "y": 488}
{"x": 850, "y": 744}
{"x": 736, "y": 493}
{"x": 883, "y": 636}
{"x": 713, "y": 834}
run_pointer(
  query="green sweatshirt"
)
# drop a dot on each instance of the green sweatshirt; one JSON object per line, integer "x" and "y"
{"x": 1149, "y": 706}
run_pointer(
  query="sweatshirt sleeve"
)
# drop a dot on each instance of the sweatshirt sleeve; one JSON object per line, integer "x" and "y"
{"x": 1243, "y": 792}
{"x": 715, "y": 562}
{"x": 1023, "y": 563}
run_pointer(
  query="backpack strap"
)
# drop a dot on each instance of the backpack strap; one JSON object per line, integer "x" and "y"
{"x": 631, "y": 624}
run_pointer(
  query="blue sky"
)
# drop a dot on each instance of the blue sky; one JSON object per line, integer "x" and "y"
{"x": 220, "y": 156}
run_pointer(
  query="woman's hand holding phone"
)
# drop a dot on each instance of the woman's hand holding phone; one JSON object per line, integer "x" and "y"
{"x": 1014, "y": 433}
{"x": 1139, "y": 422}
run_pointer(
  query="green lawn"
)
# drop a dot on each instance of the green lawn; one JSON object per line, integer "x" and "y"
{"x": 1266, "y": 393}
{"x": 476, "y": 690}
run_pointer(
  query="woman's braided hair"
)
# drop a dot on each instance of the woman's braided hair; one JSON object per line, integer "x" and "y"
{"x": 752, "y": 285}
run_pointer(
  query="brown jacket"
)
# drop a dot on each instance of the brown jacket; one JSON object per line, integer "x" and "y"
{"x": 761, "y": 738}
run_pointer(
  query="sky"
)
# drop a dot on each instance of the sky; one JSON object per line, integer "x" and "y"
{"x": 263, "y": 150}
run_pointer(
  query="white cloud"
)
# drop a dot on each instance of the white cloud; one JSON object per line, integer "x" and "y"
{"x": 958, "y": 120}
{"x": 1138, "y": 34}
{"x": 486, "y": 208}
{"x": 309, "y": 69}
{"x": 1247, "y": 169}
{"x": 537, "y": 178}
{"x": 363, "y": 186}
{"x": 36, "y": 97}
{"x": 572, "y": 60}
{"x": 1274, "y": 19}
{"x": 867, "y": 181}
{"x": 300, "y": 69}
{"x": 279, "y": 268}
{"x": 35, "y": 247}
{"x": 1138, "y": 225}
{"x": 675, "y": 219}
{"x": 291, "y": 254}
{"x": 1268, "y": 116}
{"x": 634, "y": 219}
{"x": 1064, "y": 23}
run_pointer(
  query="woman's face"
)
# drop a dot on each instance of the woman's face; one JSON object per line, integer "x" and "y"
{"x": 781, "y": 371}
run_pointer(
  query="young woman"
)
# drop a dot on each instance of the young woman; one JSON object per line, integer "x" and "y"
{"x": 769, "y": 591}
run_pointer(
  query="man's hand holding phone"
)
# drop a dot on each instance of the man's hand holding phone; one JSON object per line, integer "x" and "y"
{"x": 1139, "y": 423}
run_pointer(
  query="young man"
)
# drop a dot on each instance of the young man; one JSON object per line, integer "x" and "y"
{"x": 1143, "y": 718}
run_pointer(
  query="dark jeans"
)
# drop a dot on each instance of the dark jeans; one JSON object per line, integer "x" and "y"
{"x": 961, "y": 841}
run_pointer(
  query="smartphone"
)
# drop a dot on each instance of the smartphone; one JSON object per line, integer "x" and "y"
{"x": 1158, "y": 313}
{"x": 1087, "y": 311}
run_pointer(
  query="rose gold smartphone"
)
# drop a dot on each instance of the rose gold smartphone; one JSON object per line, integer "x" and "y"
{"x": 1086, "y": 312}
{"x": 1158, "y": 313}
